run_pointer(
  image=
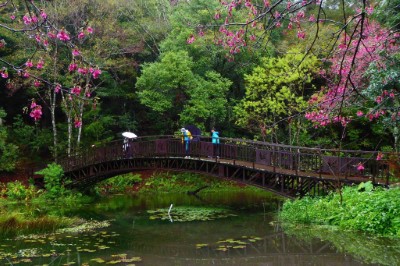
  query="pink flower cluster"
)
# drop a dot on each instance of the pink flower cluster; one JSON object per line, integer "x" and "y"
{"x": 36, "y": 111}
{"x": 321, "y": 119}
{"x": 4, "y": 73}
{"x": 77, "y": 123}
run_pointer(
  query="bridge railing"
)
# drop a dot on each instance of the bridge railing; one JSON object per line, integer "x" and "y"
{"x": 343, "y": 163}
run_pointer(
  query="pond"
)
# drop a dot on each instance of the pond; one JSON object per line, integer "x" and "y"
{"x": 230, "y": 228}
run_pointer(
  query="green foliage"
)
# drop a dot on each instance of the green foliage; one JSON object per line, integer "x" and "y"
{"x": 383, "y": 80}
{"x": 372, "y": 211}
{"x": 388, "y": 13}
{"x": 118, "y": 183}
{"x": 17, "y": 224}
{"x": 53, "y": 181}
{"x": 166, "y": 182}
{"x": 171, "y": 87}
{"x": 207, "y": 101}
{"x": 32, "y": 141}
{"x": 17, "y": 191}
{"x": 8, "y": 151}
{"x": 275, "y": 89}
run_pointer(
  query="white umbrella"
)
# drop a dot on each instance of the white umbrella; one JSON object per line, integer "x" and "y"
{"x": 129, "y": 135}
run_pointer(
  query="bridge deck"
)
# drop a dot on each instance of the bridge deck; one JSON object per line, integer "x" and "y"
{"x": 284, "y": 169}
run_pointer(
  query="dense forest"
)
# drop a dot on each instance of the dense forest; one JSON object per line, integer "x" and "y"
{"x": 318, "y": 73}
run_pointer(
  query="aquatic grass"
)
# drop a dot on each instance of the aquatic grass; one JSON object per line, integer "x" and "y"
{"x": 375, "y": 211}
{"x": 17, "y": 224}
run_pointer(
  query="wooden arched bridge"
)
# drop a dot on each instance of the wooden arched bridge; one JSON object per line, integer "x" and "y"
{"x": 287, "y": 170}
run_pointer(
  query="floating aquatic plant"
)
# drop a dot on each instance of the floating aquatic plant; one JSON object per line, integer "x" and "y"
{"x": 186, "y": 214}
{"x": 231, "y": 243}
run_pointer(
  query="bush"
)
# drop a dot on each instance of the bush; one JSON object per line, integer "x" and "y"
{"x": 17, "y": 191}
{"x": 118, "y": 183}
{"x": 375, "y": 211}
{"x": 53, "y": 180}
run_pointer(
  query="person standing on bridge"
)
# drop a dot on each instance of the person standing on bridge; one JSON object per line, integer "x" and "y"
{"x": 215, "y": 142}
{"x": 186, "y": 138}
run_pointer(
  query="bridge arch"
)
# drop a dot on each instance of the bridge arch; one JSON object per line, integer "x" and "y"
{"x": 286, "y": 170}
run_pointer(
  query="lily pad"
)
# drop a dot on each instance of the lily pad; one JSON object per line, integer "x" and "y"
{"x": 186, "y": 214}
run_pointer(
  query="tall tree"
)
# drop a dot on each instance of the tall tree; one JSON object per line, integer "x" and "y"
{"x": 275, "y": 90}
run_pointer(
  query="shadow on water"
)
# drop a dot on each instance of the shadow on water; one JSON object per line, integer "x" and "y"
{"x": 251, "y": 236}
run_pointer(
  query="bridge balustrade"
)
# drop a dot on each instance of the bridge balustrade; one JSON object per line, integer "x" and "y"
{"x": 280, "y": 157}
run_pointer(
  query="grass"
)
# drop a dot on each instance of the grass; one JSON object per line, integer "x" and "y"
{"x": 15, "y": 224}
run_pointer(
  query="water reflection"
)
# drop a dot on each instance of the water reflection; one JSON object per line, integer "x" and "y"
{"x": 252, "y": 237}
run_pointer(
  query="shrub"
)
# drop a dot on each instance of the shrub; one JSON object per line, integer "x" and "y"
{"x": 375, "y": 211}
{"x": 53, "y": 180}
{"x": 17, "y": 191}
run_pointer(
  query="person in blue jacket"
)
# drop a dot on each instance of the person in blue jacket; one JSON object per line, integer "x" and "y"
{"x": 215, "y": 142}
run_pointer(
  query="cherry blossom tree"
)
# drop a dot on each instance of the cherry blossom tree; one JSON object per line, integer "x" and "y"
{"x": 48, "y": 45}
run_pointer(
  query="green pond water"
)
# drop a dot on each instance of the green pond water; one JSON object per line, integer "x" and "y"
{"x": 214, "y": 229}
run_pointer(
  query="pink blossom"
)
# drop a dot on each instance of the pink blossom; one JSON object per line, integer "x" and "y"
{"x": 252, "y": 37}
{"x": 288, "y": 5}
{"x": 72, "y": 67}
{"x": 63, "y": 36}
{"x": 77, "y": 123}
{"x": 57, "y": 88}
{"x": 278, "y": 24}
{"x": 369, "y": 10}
{"x": 96, "y": 73}
{"x": 4, "y": 74}
{"x": 82, "y": 71}
{"x": 51, "y": 35}
{"x": 26, "y": 74}
{"x": 360, "y": 167}
{"x": 33, "y": 104}
{"x": 312, "y": 18}
{"x": 76, "y": 90}
{"x": 378, "y": 99}
{"x": 217, "y": 16}
{"x": 45, "y": 42}
{"x": 300, "y": 14}
{"x": 34, "y": 19}
{"x": 27, "y": 20}
{"x": 290, "y": 26}
{"x": 304, "y": 2}
{"x": 89, "y": 30}
{"x": 379, "y": 156}
{"x": 191, "y": 39}
{"x": 36, "y": 112}
{"x": 81, "y": 35}
{"x": 37, "y": 83}
{"x": 29, "y": 64}
{"x": 266, "y": 3}
{"x": 75, "y": 52}
{"x": 88, "y": 94}
{"x": 40, "y": 64}
{"x": 37, "y": 38}
{"x": 12, "y": 17}
{"x": 301, "y": 34}
{"x": 360, "y": 113}
{"x": 43, "y": 15}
